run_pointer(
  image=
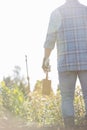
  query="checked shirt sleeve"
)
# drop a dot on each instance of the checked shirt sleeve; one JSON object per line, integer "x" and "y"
{"x": 54, "y": 24}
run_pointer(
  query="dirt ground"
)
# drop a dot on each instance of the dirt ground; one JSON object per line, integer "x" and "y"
{"x": 10, "y": 122}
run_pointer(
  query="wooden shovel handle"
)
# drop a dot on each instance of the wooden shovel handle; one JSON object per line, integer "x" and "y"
{"x": 47, "y": 75}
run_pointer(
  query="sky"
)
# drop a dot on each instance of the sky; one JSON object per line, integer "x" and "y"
{"x": 23, "y": 28}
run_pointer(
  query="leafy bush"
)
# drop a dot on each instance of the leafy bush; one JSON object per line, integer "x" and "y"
{"x": 37, "y": 108}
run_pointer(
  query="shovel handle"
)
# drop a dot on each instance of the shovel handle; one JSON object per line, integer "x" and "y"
{"x": 47, "y": 75}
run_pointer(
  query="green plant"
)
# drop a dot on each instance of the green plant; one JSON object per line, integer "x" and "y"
{"x": 36, "y": 108}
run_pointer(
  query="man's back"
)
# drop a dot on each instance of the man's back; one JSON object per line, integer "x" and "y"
{"x": 72, "y": 37}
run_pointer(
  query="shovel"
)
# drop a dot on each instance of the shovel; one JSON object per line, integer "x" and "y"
{"x": 46, "y": 85}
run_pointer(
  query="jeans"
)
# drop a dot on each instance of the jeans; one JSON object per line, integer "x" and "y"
{"x": 67, "y": 82}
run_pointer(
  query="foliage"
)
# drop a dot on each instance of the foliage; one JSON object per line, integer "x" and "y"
{"x": 37, "y": 108}
{"x": 79, "y": 105}
{"x": 12, "y": 98}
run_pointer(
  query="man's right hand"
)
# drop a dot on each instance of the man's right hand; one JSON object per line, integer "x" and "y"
{"x": 45, "y": 65}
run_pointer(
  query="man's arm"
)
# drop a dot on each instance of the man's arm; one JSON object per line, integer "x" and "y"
{"x": 45, "y": 65}
{"x": 51, "y": 38}
{"x": 47, "y": 52}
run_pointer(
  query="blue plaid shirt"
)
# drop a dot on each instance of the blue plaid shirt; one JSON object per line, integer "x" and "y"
{"x": 68, "y": 29}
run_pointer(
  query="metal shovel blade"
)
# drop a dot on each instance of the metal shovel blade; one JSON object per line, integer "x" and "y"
{"x": 46, "y": 85}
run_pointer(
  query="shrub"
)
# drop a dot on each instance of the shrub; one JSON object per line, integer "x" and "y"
{"x": 37, "y": 108}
